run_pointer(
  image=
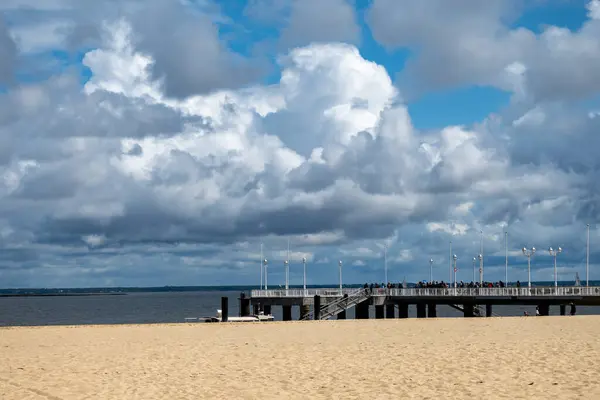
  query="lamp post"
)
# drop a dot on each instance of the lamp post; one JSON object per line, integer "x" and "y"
{"x": 385, "y": 264}
{"x": 286, "y": 263}
{"x": 287, "y": 267}
{"x": 261, "y": 266}
{"x": 528, "y": 253}
{"x": 454, "y": 258}
{"x": 587, "y": 258}
{"x": 506, "y": 258}
{"x": 430, "y": 270}
{"x": 474, "y": 262}
{"x": 555, "y": 253}
{"x": 304, "y": 272}
{"x": 340, "y": 266}
{"x": 480, "y": 258}
{"x": 265, "y": 262}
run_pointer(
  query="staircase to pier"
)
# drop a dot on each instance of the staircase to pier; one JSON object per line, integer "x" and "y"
{"x": 341, "y": 304}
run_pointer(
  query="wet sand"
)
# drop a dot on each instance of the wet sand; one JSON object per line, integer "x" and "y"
{"x": 479, "y": 358}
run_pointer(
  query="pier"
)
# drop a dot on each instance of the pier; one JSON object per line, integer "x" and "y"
{"x": 329, "y": 303}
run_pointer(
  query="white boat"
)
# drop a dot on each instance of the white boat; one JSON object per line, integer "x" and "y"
{"x": 260, "y": 317}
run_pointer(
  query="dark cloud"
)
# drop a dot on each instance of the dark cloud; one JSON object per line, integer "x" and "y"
{"x": 191, "y": 59}
{"x": 8, "y": 54}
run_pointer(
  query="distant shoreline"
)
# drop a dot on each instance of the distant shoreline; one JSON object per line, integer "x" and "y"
{"x": 59, "y": 294}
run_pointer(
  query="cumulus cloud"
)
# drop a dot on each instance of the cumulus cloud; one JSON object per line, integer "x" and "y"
{"x": 168, "y": 167}
{"x": 8, "y": 53}
{"x": 323, "y": 21}
{"x": 476, "y": 43}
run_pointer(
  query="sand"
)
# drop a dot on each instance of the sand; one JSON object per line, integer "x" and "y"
{"x": 493, "y": 358}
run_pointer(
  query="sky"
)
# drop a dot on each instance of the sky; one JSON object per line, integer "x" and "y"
{"x": 161, "y": 142}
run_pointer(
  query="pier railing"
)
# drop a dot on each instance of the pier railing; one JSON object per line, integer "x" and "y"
{"x": 302, "y": 292}
{"x": 436, "y": 292}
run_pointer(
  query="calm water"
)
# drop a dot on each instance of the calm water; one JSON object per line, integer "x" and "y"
{"x": 143, "y": 308}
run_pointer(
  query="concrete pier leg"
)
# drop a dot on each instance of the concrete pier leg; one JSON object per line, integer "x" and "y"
{"x": 317, "y": 307}
{"x": 224, "y": 309}
{"x": 544, "y": 309}
{"x": 403, "y": 310}
{"x": 342, "y": 315}
{"x": 244, "y": 305}
{"x": 267, "y": 309}
{"x": 362, "y": 310}
{"x": 431, "y": 310}
{"x": 421, "y": 310}
{"x": 390, "y": 311}
{"x": 304, "y": 310}
{"x": 469, "y": 310}
{"x": 255, "y": 308}
{"x": 488, "y": 310}
{"x": 379, "y": 312}
{"x": 563, "y": 309}
{"x": 287, "y": 313}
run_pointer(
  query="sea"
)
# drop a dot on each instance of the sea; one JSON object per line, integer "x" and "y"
{"x": 98, "y": 306}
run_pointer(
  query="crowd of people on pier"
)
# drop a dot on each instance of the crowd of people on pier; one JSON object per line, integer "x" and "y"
{"x": 439, "y": 285}
{"x": 461, "y": 284}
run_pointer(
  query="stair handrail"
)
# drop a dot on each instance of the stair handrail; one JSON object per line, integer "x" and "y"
{"x": 325, "y": 310}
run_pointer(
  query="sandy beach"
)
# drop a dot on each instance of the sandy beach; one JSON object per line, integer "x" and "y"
{"x": 494, "y": 358}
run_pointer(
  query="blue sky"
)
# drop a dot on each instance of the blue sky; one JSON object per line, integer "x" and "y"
{"x": 161, "y": 142}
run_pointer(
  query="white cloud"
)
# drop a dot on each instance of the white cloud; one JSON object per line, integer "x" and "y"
{"x": 594, "y": 9}
{"x": 42, "y": 37}
{"x": 475, "y": 44}
{"x": 326, "y": 155}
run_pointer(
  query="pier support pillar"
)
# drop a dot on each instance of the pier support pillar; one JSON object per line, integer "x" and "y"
{"x": 390, "y": 311}
{"x": 421, "y": 310}
{"x": 403, "y": 310}
{"x": 469, "y": 310}
{"x": 431, "y": 310}
{"x": 379, "y": 312}
{"x": 304, "y": 310}
{"x": 362, "y": 310}
{"x": 544, "y": 309}
{"x": 317, "y": 307}
{"x": 488, "y": 310}
{"x": 224, "y": 309}
{"x": 563, "y": 309}
{"x": 244, "y": 305}
{"x": 267, "y": 309}
{"x": 287, "y": 313}
{"x": 255, "y": 308}
{"x": 342, "y": 314}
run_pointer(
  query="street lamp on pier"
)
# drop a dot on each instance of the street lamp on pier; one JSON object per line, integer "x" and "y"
{"x": 430, "y": 270}
{"x": 555, "y": 253}
{"x": 480, "y": 258}
{"x": 304, "y": 272}
{"x": 286, "y": 263}
{"x": 528, "y": 253}
{"x": 454, "y": 258}
{"x": 265, "y": 262}
{"x": 340, "y": 266}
